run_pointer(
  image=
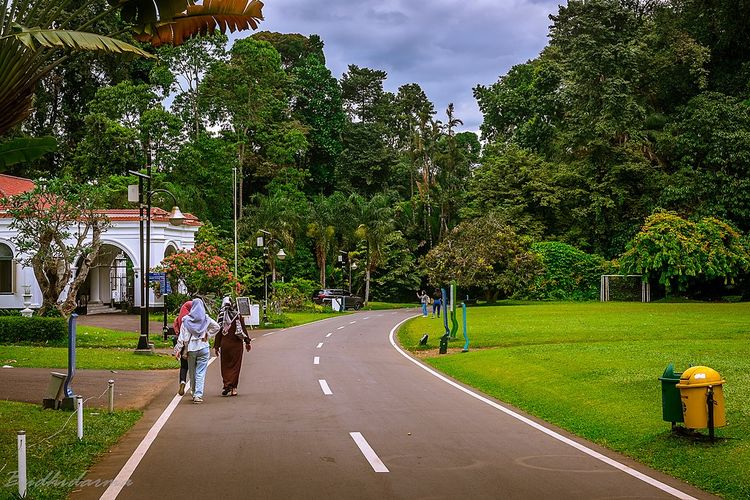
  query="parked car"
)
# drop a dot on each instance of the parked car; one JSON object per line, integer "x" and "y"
{"x": 326, "y": 295}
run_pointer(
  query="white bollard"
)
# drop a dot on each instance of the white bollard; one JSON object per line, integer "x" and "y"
{"x": 111, "y": 396}
{"x": 79, "y": 409}
{"x": 22, "y": 464}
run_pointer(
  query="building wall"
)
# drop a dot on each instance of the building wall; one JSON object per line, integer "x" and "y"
{"x": 124, "y": 235}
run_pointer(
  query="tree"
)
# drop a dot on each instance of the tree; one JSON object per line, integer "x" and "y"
{"x": 483, "y": 253}
{"x": 201, "y": 269}
{"x": 362, "y": 90}
{"x": 376, "y": 224}
{"x": 295, "y": 49}
{"x": 678, "y": 252}
{"x": 322, "y": 216}
{"x": 318, "y": 105}
{"x": 246, "y": 97}
{"x": 32, "y": 31}
{"x": 57, "y": 225}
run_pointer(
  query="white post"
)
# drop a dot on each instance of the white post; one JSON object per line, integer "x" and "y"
{"x": 111, "y": 395}
{"x": 22, "y": 464}
{"x": 79, "y": 410}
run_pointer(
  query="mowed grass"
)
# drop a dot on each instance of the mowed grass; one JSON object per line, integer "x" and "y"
{"x": 96, "y": 349}
{"x": 55, "y": 465}
{"x": 593, "y": 368}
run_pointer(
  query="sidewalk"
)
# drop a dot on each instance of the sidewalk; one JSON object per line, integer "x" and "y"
{"x": 133, "y": 389}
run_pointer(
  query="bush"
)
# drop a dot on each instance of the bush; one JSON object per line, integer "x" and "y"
{"x": 569, "y": 273}
{"x": 293, "y": 295}
{"x": 14, "y": 329}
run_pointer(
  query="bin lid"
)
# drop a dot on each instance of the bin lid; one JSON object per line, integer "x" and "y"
{"x": 700, "y": 376}
{"x": 669, "y": 374}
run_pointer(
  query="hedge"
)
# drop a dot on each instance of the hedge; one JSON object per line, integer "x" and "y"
{"x": 15, "y": 329}
{"x": 569, "y": 273}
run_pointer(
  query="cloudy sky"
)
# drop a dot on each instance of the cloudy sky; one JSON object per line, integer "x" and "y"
{"x": 446, "y": 46}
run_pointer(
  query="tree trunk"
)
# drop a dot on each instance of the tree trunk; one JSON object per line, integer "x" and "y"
{"x": 367, "y": 285}
{"x": 69, "y": 305}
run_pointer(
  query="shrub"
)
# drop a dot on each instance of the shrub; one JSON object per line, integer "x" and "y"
{"x": 14, "y": 329}
{"x": 569, "y": 273}
{"x": 293, "y": 295}
{"x": 174, "y": 301}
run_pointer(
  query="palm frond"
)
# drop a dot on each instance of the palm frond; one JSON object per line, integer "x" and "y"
{"x": 34, "y": 38}
{"x": 211, "y": 15}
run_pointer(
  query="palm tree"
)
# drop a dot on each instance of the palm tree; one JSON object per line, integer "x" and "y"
{"x": 322, "y": 219}
{"x": 32, "y": 32}
{"x": 281, "y": 216}
{"x": 376, "y": 223}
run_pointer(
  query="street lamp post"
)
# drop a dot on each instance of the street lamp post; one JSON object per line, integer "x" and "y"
{"x": 176, "y": 218}
{"x": 261, "y": 241}
{"x": 349, "y": 262}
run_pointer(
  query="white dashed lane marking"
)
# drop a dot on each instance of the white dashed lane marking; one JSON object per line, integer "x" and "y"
{"x": 324, "y": 385}
{"x": 316, "y": 360}
{"x": 319, "y": 345}
{"x": 368, "y": 452}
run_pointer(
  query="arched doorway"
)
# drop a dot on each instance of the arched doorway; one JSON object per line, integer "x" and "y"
{"x": 110, "y": 282}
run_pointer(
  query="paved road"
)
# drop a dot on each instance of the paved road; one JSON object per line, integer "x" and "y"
{"x": 284, "y": 437}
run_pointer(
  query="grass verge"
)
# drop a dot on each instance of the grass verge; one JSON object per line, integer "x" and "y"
{"x": 55, "y": 465}
{"x": 592, "y": 369}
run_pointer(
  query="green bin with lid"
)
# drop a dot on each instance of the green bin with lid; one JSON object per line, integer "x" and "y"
{"x": 671, "y": 404}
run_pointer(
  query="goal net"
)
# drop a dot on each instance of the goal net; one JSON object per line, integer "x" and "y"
{"x": 627, "y": 288}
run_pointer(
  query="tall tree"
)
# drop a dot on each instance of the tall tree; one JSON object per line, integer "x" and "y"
{"x": 375, "y": 217}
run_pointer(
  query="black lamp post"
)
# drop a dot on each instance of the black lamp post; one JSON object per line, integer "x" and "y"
{"x": 261, "y": 241}
{"x": 176, "y": 218}
{"x": 342, "y": 253}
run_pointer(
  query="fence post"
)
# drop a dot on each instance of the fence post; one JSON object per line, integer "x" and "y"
{"x": 22, "y": 464}
{"x": 79, "y": 409}
{"x": 111, "y": 395}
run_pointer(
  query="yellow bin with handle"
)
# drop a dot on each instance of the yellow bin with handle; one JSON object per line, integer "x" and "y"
{"x": 694, "y": 386}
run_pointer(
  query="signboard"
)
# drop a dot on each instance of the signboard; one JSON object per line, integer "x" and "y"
{"x": 243, "y": 306}
{"x": 160, "y": 278}
{"x": 254, "y": 317}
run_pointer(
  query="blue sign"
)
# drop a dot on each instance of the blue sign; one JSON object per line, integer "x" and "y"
{"x": 160, "y": 278}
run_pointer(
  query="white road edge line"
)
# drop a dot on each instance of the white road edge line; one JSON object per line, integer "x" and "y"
{"x": 267, "y": 334}
{"x": 324, "y": 385}
{"x": 123, "y": 477}
{"x": 327, "y": 336}
{"x": 319, "y": 345}
{"x": 316, "y": 360}
{"x": 588, "y": 451}
{"x": 368, "y": 452}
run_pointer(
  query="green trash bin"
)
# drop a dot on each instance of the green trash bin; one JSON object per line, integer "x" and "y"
{"x": 671, "y": 404}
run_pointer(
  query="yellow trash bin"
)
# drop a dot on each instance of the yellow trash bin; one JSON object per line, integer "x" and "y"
{"x": 694, "y": 385}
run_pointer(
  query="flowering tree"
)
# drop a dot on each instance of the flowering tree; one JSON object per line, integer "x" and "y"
{"x": 201, "y": 269}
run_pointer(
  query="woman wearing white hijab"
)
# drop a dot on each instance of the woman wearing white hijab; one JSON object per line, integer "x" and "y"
{"x": 197, "y": 328}
{"x": 229, "y": 345}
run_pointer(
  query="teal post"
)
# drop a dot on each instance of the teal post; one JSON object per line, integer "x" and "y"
{"x": 454, "y": 321}
{"x": 466, "y": 335}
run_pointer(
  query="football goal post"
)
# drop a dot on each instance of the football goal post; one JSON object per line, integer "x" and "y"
{"x": 624, "y": 287}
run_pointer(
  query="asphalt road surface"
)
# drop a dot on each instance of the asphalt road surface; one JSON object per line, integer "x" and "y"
{"x": 334, "y": 410}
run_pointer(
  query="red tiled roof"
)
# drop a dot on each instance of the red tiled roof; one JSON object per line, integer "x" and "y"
{"x": 11, "y": 186}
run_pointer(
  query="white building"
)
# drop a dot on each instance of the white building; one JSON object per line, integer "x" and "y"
{"x": 114, "y": 276}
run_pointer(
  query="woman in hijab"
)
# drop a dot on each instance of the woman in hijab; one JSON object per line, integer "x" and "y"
{"x": 196, "y": 330}
{"x": 184, "y": 310}
{"x": 229, "y": 344}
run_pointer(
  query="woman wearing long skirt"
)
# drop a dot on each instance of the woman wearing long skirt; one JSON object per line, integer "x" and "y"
{"x": 229, "y": 345}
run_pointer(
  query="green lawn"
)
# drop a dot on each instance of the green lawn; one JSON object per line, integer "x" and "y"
{"x": 592, "y": 369}
{"x": 61, "y": 459}
{"x": 380, "y": 306}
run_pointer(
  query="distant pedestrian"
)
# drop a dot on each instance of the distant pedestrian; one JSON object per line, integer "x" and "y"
{"x": 437, "y": 300}
{"x": 229, "y": 345}
{"x": 196, "y": 330}
{"x": 184, "y": 310}
{"x": 424, "y": 299}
